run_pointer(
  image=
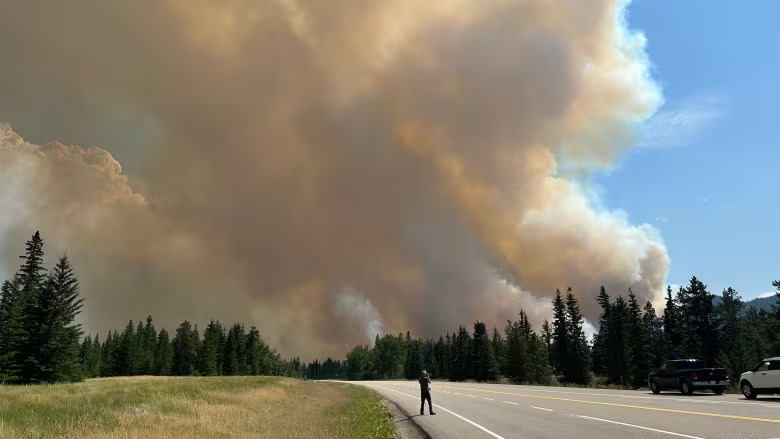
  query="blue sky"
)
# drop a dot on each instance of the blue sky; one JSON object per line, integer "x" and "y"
{"x": 706, "y": 174}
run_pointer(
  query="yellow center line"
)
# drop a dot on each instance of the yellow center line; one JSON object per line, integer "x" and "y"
{"x": 657, "y": 409}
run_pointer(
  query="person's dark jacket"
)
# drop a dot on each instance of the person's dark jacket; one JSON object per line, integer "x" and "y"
{"x": 424, "y": 383}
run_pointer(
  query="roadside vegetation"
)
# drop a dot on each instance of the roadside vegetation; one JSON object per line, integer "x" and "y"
{"x": 193, "y": 407}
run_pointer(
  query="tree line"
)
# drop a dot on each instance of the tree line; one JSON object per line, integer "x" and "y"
{"x": 631, "y": 341}
{"x": 41, "y": 343}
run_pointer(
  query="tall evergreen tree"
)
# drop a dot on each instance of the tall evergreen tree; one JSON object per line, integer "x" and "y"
{"x": 639, "y": 343}
{"x": 654, "y": 327}
{"x": 620, "y": 364}
{"x": 728, "y": 321}
{"x": 699, "y": 338}
{"x": 31, "y": 278}
{"x": 671, "y": 320}
{"x": 484, "y": 364}
{"x": 211, "y": 350}
{"x": 185, "y": 350}
{"x": 601, "y": 353}
{"x": 126, "y": 352}
{"x": 163, "y": 361}
{"x": 12, "y": 333}
{"x": 498, "y": 349}
{"x": 235, "y": 358}
{"x": 257, "y": 353}
{"x": 461, "y": 355}
{"x": 578, "y": 359}
{"x": 559, "y": 350}
{"x": 53, "y": 338}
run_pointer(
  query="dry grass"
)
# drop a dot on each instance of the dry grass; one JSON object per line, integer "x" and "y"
{"x": 183, "y": 408}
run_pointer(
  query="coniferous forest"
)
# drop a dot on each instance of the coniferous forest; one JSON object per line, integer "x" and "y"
{"x": 41, "y": 343}
{"x": 632, "y": 340}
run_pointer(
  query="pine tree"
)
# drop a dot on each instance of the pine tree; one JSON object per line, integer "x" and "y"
{"x": 728, "y": 320}
{"x": 53, "y": 343}
{"x": 163, "y": 362}
{"x": 94, "y": 365}
{"x": 483, "y": 362}
{"x": 210, "y": 352}
{"x": 31, "y": 278}
{"x": 258, "y": 353}
{"x": 601, "y": 354}
{"x": 621, "y": 365}
{"x": 559, "y": 350}
{"x": 516, "y": 364}
{"x": 578, "y": 364}
{"x": 146, "y": 336}
{"x": 639, "y": 343}
{"x": 654, "y": 327}
{"x": 235, "y": 358}
{"x": 12, "y": 333}
{"x": 461, "y": 355}
{"x": 185, "y": 350}
{"x": 671, "y": 317}
{"x": 108, "y": 355}
{"x": 699, "y": 337}
{"x": 126, "y": 353}
{"x": 85, "y": 355}
{"x": 547, "y": 337}
{"x": 498, "y": 348}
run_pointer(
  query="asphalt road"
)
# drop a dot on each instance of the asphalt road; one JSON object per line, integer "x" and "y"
{"x": 505, "y": 411}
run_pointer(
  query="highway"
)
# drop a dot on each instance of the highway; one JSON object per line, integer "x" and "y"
{"x": 467, "y": 410}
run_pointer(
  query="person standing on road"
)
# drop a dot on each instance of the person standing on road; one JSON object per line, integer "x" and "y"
{"x": 425, "y": 393}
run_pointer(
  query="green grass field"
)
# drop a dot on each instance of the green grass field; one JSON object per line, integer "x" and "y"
{"x": 187, "y": 407}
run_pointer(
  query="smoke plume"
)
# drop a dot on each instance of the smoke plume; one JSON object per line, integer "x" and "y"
{"x": 426, "y": 154}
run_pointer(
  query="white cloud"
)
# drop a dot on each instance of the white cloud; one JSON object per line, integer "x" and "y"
{"x": 765, "y": 295}
{"x": 678, "y": 124}
{"x": 661, "y": 220}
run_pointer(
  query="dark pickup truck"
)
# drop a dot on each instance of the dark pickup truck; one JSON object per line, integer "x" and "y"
{"x": 687, "y": 376}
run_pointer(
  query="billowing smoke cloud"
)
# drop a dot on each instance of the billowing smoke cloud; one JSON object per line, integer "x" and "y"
{"x": 426, "y": 154}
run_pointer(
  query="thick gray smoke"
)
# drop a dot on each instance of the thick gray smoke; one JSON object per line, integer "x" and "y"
{"x": 323, "y": 170}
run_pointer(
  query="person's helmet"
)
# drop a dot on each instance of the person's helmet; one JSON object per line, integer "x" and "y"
{"x": 425, "y": 374}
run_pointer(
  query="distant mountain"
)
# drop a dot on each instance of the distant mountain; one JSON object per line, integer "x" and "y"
{"x": 760, "y": 303}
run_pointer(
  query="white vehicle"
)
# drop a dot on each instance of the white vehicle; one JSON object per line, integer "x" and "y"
{"x": 763, "y": 379}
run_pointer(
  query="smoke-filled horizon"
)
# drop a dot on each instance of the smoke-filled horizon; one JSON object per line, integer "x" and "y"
{"x": 324, "y": 170}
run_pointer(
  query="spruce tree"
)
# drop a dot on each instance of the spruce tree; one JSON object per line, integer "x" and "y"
{"x": 461, "y": 355}
{"x": 621, "y": 363}
{"x": 728, "y": 321}
{"x": 559, "y": 349}
{"x": 654, "y": 327}
{"x": 235, "y": 357}
{"x": 671, "y": 317}
{"x": 185, "y": 350}
{"x": 31, "y": 278}
{"x": 484, "y": 365}
{"x": 210, "y": 352}
{"x": 601, "y": 354}
{"x": 163, "y": 361}
{"x": 126, "y": 352}
{"x": 578, "y": 364}
{"x": 498, "y": 348}
{"x": 639, "y": 343}
{"x": 53, "y": 343}
{"x": 12, "y": 333}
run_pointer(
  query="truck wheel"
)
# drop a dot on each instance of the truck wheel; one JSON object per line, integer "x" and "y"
{"x": 654, "y": 387}
{"x": 686, "y": 387}
{"x": 748, "y": 391}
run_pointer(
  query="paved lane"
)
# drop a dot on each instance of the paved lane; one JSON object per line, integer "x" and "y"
{"x": 505, "y": 411}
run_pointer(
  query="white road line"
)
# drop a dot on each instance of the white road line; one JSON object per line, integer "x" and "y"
{"x": 470, "y": 396}
{"x": 513, "y": 403}
{"x": 638, "y": 426}
{"x": 541, "y": 408}
{"x": 489, "y": 399}
{"x": 450, "y": 412}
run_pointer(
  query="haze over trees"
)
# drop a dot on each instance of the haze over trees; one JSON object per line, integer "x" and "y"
{"x": 41, "y": 343}
{"x": 632, "y": 339}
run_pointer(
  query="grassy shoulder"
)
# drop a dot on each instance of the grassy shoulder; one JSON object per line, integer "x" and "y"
{"x": 189, "y": 407}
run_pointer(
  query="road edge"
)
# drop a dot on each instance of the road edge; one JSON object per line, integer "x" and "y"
{"x": 404, "y": 421}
